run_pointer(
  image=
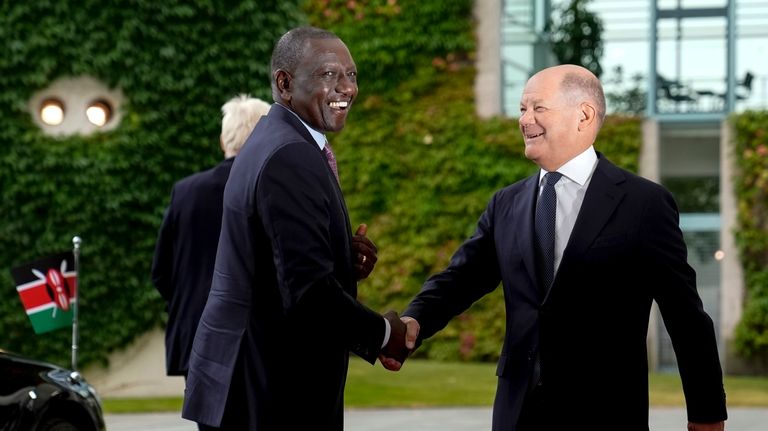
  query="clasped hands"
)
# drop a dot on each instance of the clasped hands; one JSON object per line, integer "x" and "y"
{"x": 402, "y": 341}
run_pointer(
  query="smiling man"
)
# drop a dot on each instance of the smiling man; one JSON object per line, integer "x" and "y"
{"x": 272, "y": 347}
{"x": 582, "y": 249}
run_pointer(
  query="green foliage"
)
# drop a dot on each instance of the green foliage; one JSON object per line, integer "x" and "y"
{"x": 420, "y": 172}
{"x": 620, "y": 140}
{"x": 695, "y": 194}
{"x": 176, "y": 62}
{"x": 416, "y": 163}
{"x": 576, "y": 36}
{"x": 391, "y": 40}
{"x": 751, "y": 156}
{"x": 413, "y": 166}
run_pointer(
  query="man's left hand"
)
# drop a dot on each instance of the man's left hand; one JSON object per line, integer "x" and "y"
{"x": 364, "y": 252}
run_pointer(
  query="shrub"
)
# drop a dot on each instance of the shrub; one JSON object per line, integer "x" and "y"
{"x": 176, "y": 62}
{"x": 751, "y": 156}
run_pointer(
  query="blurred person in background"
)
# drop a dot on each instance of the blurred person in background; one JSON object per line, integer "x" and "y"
{"x": 185, "y": 252}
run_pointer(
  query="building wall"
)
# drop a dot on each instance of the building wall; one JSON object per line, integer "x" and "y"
{"x": 488, "y": 63}
{"x": 731, "y": 289}
{"x": 731, "y": 276}
{"x": 657, "y": 158}
{"x": 649, "y": 168}
{"x": 136, "y": 371}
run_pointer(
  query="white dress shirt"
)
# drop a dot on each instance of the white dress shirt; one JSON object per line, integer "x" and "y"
{"x": 577, "y": 173}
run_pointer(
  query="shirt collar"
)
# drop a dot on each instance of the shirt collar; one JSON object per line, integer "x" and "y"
{"x": 579, "y": 168}
{"x": 317, "y": 136}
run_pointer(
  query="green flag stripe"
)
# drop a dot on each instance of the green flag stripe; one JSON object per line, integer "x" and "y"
{"x": 44, "y": 321}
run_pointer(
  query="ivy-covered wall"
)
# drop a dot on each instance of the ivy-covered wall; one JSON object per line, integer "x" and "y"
{"x": 177, "y": 62}
{"x": 416, "y": 164}
{"x": 420, "y": 171}
{"x": 393, "y": 41}
{"x": 751, "y": 156}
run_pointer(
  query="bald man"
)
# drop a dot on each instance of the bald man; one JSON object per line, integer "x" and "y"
{"x": 581, "y": 249}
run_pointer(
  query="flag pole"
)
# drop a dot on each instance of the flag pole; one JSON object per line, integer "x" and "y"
{"x": 76, "y": 252}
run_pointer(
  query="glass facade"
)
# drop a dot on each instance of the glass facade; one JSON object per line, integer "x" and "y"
{"x": 692, "y": 52}
{"x": 703, "y": 244}
{"x": 523, "y": 47}
{"x": 692, "y": 62}
{"x": 690, "y": 170}
{"x": 683, "y": 83}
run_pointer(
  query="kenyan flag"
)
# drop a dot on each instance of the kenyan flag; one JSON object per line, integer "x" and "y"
{"x": 47, "y": 290}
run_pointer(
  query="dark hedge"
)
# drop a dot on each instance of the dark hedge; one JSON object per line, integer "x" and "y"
{"x": 416, "y": 164}
{"x": 176, "y": 62}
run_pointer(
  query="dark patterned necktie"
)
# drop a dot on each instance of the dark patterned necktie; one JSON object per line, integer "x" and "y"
{"x": 545, "y": 229}
{"x": 331, "y": 159}
{"x": 546, "y": 212}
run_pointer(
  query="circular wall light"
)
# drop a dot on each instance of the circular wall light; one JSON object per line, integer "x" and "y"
{"x": 80, "y": 105}
{"x": 99, "y": 112}
{"x": 719, "y": 255}
{"x": 52, "y": 111}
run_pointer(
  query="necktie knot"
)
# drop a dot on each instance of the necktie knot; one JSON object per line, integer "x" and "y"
{"x": 551, "y": 178}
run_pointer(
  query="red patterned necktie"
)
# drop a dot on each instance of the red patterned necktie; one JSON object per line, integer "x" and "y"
{"x": 331, "y": 159}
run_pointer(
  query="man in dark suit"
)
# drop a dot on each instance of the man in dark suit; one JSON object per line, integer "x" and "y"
{"x": 272, "y": 348}
{"x": 186, "y": 245}
{"x": 582, "y": 249}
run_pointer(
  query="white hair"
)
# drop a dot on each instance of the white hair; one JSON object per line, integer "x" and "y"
{"x": 241, "y": 113}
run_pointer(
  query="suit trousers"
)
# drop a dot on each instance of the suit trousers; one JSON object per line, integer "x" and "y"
{"x": 534, "y": 415}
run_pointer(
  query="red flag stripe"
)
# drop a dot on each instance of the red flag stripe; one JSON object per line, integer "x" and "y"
{"x": 35, "y": 295}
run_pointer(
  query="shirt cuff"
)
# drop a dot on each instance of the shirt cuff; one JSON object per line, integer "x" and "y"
{"x": 387, "y": 331}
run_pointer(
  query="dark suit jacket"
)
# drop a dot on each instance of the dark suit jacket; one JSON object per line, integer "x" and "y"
{"x": 184, "y": 256}
{"x": 272, "y": 346}
{"x": 626, "y": 250}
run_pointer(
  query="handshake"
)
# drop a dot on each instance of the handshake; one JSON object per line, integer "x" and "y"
{"x": 402, "y": 340}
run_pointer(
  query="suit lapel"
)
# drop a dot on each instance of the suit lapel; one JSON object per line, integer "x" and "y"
{"x": 602, "y": 197}
{"x": 522, "y": 215}
{"x": 285, "y": 115}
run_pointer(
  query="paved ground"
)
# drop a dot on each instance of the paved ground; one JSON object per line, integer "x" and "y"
{"x": 462, "y": 419}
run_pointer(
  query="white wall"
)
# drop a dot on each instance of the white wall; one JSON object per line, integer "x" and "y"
{"x": 136, "y": 371}
{"x": 488, "y": 63}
